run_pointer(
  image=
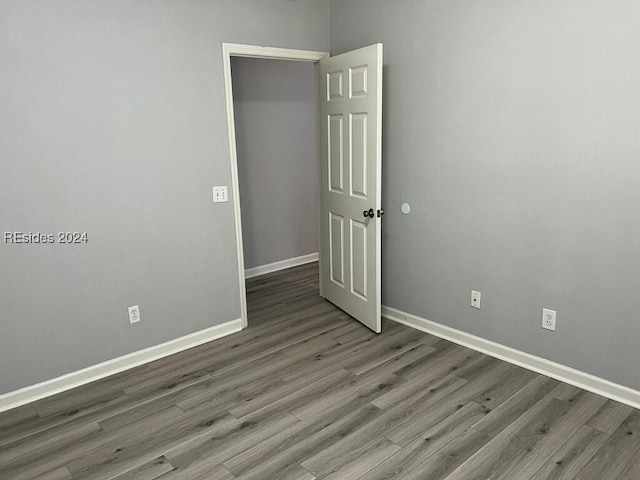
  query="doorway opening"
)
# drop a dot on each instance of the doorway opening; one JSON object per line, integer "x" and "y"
{"x": 349, "y": 159}
{"x": 233, "y": 53}
{"x": 275, "y": 108}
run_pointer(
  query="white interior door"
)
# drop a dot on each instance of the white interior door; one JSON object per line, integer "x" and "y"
{"x": 351, "y": 169}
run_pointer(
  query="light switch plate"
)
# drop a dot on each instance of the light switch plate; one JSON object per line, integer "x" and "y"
{"x": 220, "y": 194}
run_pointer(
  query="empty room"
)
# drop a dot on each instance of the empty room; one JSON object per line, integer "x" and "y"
{"x": 319, "y": 239}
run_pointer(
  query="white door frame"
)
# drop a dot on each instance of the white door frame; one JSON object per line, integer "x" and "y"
{"x": 253, "y": 51}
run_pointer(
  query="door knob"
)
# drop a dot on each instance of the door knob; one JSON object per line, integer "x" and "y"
{"x": 369, "y": 213}
{"x": 380, "y": 212}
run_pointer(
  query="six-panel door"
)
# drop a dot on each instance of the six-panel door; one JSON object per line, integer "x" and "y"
{"x": 350, "y": 149}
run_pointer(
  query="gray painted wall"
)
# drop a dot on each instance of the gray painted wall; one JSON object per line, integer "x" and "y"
{"x": 113, "y": 122}
{"x": 275, "y": 114}
{"x": 511, "y": 127}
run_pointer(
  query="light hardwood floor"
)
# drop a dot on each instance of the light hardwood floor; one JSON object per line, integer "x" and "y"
{"x": 307, "y": 393}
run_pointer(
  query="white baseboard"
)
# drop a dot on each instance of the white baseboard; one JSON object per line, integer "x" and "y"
{"x": 95, "y": 372}
{"x": 281, "y": 265}
{"x": 589, "y": 382}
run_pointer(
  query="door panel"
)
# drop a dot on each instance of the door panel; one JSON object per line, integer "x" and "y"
{"x": 334, "y": 85}
{"x": 358, "y": 250}
{"x": 351, "y": 166}
{"x": 358, "y": 155}
{"x": 336, "y": 174}
{"x": 336, "y": 248}
{"x": 358, "y": 81}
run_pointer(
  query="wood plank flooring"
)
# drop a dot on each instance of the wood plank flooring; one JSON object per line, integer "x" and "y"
{"x": 308, "y": 393}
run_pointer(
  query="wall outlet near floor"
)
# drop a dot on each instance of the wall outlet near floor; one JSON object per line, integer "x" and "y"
{"x": 549, "y": 319}
{"x": 475, "y": 299}
{"x": 134, "y": 314}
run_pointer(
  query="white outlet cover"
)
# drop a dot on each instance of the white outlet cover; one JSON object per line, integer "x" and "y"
{"x": 134, "y": 314}
{"x": 549, "y": 319}
{"x": 220, "y": 194}
{"x": 476, "y": 297}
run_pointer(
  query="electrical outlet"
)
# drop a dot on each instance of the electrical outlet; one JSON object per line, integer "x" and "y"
{"x": 475, "y": 299}
{"x": 220, "y": 194}
{"x": 134, "y": 314}
{"x": 549, "y": 319}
